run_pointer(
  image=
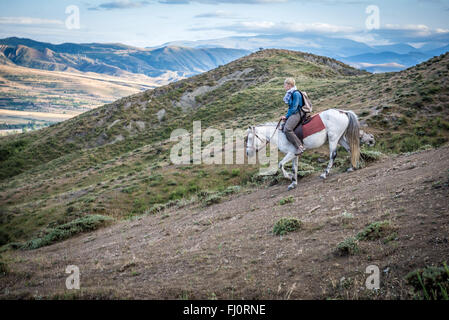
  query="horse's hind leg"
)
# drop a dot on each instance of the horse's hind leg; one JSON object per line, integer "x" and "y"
{"x": 344, "y": 143}
{"x": 332, "y": 155}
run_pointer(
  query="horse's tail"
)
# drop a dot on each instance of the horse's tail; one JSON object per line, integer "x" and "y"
{"x": 353, "y": 137}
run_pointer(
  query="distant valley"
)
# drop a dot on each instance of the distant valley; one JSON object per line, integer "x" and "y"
{"x": 65, "y": 80}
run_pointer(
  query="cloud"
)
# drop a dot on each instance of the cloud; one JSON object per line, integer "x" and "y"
{"x": 216, "y": 14}
{"x": 411, "y": 33}
{"x": 338, "y": 2}
{"x": 381, "y": 65}
{"x": 29, "y": 21}
{"x": 269, "y": 27}
{"x": 387, "y": 34}
{"x": 224, "y": 1}
{"x": 120, "y": 4}
{"x": 322, "y": 2}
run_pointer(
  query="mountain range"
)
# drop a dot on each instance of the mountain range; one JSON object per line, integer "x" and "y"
{"x": 373, "y": 58}
{"x": 114, "y": 59}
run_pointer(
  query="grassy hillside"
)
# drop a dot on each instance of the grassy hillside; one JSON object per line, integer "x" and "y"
{"x": 114, "y": 160}
{"x": 314, "y": 242}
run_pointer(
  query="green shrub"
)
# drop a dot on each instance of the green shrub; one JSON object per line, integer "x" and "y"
{"x": 285, "y": 225}
{"x": 139, "y": 206}
{"x": 370, "y": 155}
{"x": 3, "y": 267}
{"x": 130, "y": 189}
{"x": 286, "y": 200}
{"x": 171, "y": 183}
{"x": 223, "y": 172}
{"x": 375, "y": 230}
{"x": 231, "y": 190}
{"x": 430, "y": 283}
{"x": 212, "y": 199}
{"x": 410, "y": 144}
{"x": 235, "y": 172}
{"x": 4, "y": 238}
{"x": 64, "y": 231}
{"x": 158, "y": 207}
{"x": 178, "y": 193}
{"x": 348, "y": 246}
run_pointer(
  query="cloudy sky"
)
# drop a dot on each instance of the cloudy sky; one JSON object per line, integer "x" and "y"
{"x": 154, "y": 22}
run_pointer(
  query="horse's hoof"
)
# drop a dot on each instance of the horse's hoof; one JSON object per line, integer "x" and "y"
{"x": 291, "y": 187}
{"x": 323, "y": 176}
{"x": 350, "y": 170}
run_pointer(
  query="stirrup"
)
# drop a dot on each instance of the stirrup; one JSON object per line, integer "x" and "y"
{"x": 301, "y": 151}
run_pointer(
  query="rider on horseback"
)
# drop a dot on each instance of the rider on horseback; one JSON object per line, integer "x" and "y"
{"x": 295, "y": 101}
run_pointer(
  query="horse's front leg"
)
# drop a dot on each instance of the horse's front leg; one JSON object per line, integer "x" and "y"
{"x": 294, "y": 183}
{"x": 286, "y": 159}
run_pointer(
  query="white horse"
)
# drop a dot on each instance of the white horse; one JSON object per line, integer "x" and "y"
{"x": 341, "y": 127}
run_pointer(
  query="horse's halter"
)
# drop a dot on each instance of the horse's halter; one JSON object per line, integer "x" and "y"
{"x": 267, "y": 141}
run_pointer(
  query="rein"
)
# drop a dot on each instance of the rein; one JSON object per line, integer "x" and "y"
{"x": 267, "y": 141}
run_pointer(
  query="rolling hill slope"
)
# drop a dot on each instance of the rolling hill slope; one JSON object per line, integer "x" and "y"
{"x": 114, "y": 160}
{"x": 228, "y": 250}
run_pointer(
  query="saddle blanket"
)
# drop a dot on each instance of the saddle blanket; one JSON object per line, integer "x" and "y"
{"x": 313, "y": 126}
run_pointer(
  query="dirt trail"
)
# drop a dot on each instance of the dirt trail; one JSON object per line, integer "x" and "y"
{"x": 228, "y": 251}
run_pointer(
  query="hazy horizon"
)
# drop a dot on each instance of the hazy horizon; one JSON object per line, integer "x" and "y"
{"x": 153, "y": 23}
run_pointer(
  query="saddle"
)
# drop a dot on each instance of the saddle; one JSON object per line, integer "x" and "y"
{"x": 308, "y": 126}
{"x": 305, "y": 119}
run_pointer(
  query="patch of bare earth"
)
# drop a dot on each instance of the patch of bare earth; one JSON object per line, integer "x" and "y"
{"x": 228, "y": 250}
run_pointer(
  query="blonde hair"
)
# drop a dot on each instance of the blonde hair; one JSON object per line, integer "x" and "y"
{"x": 290, "y": 81}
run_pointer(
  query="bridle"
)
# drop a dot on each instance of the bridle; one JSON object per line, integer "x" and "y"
{"x": 267, "y": 141}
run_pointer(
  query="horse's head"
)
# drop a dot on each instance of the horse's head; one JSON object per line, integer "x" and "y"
{"x": 367, "y": 138}
{"x": 250, "y": 141}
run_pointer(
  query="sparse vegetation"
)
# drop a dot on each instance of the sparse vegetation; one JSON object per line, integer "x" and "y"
{"x": 62, "y": 232}
{"x": 286, "y": 200}
{"x": 3, "y": 267}
{"x": 370, "y": 155}
{"x": 285, "y": 225}
{"x": 430, "y": 283}
{"x": 349, "y": 246}
{"x": 375, "y": 231}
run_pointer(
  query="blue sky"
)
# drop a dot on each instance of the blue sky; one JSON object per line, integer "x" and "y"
{"x": 151, "y": 22}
